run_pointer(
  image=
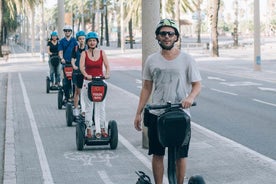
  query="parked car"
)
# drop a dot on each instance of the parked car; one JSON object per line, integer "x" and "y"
{"x": 127, "y": 39}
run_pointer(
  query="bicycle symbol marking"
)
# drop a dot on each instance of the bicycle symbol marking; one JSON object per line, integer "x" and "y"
{"x": 89, "y": 159}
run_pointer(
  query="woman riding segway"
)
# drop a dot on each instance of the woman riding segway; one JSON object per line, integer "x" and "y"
{"x": 91, "y": 65}
{"x": 54, "y": 63}
{"x": 77, "y": 75}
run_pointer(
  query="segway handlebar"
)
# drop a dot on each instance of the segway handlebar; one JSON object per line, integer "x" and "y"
{"x": 96, "y": 78}
{"x": 168, "y": 105}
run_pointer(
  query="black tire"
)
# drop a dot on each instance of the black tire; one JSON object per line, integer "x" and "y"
{"x": 47, "y": 85}
{"x": 60, "y": 98}
{"x": 69, "y": 114}
{"x": 113, "y": 132}
{"x": 80, "y": 135}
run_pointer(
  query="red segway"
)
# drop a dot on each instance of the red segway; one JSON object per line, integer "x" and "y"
{"x": 97, "y": 89}
{"x": 68, "y": 72}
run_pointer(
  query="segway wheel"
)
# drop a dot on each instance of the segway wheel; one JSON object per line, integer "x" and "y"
{"x": 69, "y": 114}
{"x": 60, "y": 98}
{"x": 113, "y": 132}
{"x": 80, "y": 136}
{"x": 47, "y": 85}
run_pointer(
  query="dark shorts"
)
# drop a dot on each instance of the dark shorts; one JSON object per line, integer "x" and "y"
{"x": 77, "y": 79}
{"x": 155, "y": 146}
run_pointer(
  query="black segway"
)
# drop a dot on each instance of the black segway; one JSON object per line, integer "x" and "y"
{"x": 68, "y": 72}
{"x": 55, "y": 61}
{"x": 170, "y": 126}
{"x": 97, "y": 89}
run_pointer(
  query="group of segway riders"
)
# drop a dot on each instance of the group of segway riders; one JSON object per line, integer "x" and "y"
{"x": 170, "y": 75}
{"x": 83, "y": 67}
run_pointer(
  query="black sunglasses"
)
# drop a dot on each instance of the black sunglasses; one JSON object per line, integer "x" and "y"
{"x": 67, "y": 30}
{"x": 165, "y": 33}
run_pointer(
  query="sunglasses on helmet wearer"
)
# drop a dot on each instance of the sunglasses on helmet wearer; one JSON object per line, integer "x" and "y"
{"x": 165, "y": 33}
{"x": 67, "y": 30}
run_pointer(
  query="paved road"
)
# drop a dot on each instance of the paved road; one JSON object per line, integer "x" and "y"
{"x": 45, "y": 149}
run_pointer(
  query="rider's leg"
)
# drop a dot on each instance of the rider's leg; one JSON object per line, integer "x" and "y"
{"x": 66, "y": 86}
{"x": 158, "y": 168}
{"x": 51, "y": 67}
{"x": 103, "y": 119}
{"x": 82, "y": 96}
{"x": 97, "y": 119}
{"x": 180, "y": 170}
{"x": 58, "y": 79}
{"x": 88, "y": 110}
{"x": 157, "y": 150}
{"x": 76, "y": 101}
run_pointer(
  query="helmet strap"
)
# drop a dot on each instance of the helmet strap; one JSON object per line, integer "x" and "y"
{"x": 92, "y": 51}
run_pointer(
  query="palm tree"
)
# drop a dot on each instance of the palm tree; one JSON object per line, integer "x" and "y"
{"x": 214, "y": 29}
{"x": 13, "y": 7}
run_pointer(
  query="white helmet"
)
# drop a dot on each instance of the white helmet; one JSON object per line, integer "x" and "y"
{"x": 67, "y": 27}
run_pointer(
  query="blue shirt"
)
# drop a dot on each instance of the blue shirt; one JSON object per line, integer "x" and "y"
{"x": 67, "y": 47}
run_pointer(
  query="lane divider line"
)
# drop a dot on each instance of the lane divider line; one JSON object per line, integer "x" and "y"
{"x": 9, "y": 176}
{"x": 263, "y": 102}
{"x": 104, "y": 177}
{"x": 45, "y": 169}
{"x": 225, "y": 92}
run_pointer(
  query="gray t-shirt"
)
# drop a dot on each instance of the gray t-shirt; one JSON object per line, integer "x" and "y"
{"x": 172, "y": 79}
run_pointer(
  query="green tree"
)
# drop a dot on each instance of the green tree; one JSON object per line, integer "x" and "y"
{"x": 9, "y": 11}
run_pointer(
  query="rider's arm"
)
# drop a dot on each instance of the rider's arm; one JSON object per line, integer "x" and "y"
{"x": 60, "y": 54}
{"x": 48, "y": 50}
{"x": 144, "y": 97}
{"x": 188, "y": 101}
{"x": 106, "y": 65}
{"x": 73, "y": 60}
{"x": 82, "y": 66}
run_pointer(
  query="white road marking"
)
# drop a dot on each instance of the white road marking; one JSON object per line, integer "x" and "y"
{"x": 267, "y": 89}
{"x": 138, "y": 81}
{"x": 245, "y": 83}
{"x": 225, "y": 92}
{"x": 103, "y": 175}
{"x": 90, "y": 158}
{"x": 9, "y": 176}
{"x": 263, "y": 102}
{"x": 135, "y": 152}
{"x": 45, "y": 169}
{"x": 215, "y": 78}
{"x": 138, "y": 155}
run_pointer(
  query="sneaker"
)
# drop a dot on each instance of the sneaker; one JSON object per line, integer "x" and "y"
{"x": 76, "y": 112}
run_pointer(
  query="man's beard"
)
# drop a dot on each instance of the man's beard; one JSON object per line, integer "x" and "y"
{"x": 165, "y": 47}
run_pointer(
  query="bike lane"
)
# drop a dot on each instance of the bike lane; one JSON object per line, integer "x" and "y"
{"x": 36, "y": 115}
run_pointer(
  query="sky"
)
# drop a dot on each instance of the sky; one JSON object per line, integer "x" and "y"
{"x": 50, "y": 3}
{"x": 228, "y": 5}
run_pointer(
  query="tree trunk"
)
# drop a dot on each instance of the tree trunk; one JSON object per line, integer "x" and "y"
{"x": 106, "y": 27}
{"x": 130, "y": 33}
{"x": 1, "y": 26}
{"x": 198, "y": 8}
{"x": 215, "y": 49}
{"x": 150, "y": 18}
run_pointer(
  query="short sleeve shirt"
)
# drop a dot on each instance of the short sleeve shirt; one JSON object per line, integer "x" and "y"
{"x": 67, "y": 47}
{"x": 172, "y": 79}
{"x": 53, "y": 48}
